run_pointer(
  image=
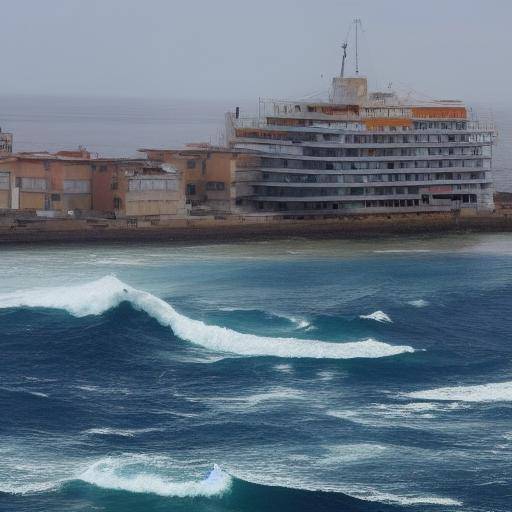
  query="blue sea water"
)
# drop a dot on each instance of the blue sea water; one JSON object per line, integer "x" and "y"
{"x": 267, "y": 376}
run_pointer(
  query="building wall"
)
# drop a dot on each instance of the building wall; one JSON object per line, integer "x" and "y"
{"x": 154, "y": 194}
{"x": 208, "y": 175}
{"x": 103, "y": 176}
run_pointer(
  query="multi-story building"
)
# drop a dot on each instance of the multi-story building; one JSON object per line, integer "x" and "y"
{"x": 5, "y": 143}
{"x": 53, "y": 184}
{"x": 208, "y": 173}
{"x": 361, "y": 152}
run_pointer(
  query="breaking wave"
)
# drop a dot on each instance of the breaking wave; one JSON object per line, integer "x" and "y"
{"x": 99, "y": 296}
{"x": 162, "y": 476}
{"x": 378, "y": 316}
{"x": 493, "y": 392}
{"x": 126, "y": 475}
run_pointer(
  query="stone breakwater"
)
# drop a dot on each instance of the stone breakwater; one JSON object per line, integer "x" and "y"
{"x": 210, "y": 229}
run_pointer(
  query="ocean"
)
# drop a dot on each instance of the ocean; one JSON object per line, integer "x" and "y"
{"x": 287, "y": 375}
{"x": 119, "y": 127}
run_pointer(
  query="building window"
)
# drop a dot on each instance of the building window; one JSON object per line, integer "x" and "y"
{"x": 191, "y": 189}
{"x": 32, "y": 184}
{"x": 103, "y": 168}
{"x": 114, "y": 185}
{"x": 191, "y": 164}
{"x": 55, "y": 197}
{"x": 117, "y": 203}
{"x": 77, "y": 186}
{"x": 215, "y": 185}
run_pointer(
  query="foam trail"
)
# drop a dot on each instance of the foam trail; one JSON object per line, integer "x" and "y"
{"x": 108, "y": 292}
{"x": 111, "y": 473}
{"x": 378, "y": 316}
{"x": 493, "y": 392}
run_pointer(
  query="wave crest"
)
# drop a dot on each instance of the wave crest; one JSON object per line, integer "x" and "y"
{"x": 99, "y": 296}
{"x": 127, "y": 475}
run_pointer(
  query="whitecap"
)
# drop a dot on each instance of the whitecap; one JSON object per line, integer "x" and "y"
{"x": 492, "y": 392}
{"x": 378, "y": 316}
{"x": 133, "y": 475}
{"x": 420, "y": 303}
{"x": 96, "y": 297}
{"x": 300, "y": 323}
{"x": 284, "y": 368}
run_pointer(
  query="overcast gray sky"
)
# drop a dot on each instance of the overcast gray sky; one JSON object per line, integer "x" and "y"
{"x": 244, "y": 49}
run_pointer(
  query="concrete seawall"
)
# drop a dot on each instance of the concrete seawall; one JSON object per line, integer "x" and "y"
{"x": 216, "y": 230}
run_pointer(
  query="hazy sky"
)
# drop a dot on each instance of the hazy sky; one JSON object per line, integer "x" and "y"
{"x": 245, "y": 49}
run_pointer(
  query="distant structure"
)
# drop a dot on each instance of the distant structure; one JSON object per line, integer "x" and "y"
{"x": 5, "y": 143}
{"x": 361, "y": 152}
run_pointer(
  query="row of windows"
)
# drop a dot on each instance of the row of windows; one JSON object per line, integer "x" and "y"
{"x": 377, "y": 152}
{"x": 279, "y": 163}
{"x": 367, "y": 178}
{"x": 155, "y": 184}
{"x": 375, "y": 203}
{"x": 359, "y": 191}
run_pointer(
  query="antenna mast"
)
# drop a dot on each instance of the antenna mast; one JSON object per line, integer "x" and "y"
{"x": 344, "y": 46}
{"x": 357, "y": 21}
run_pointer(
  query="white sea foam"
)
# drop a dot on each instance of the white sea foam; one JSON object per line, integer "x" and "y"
{"x": 96, "y": 297}
{"x": 420, "y": 303}
{"x": 388, "y": 497}
{"x": 109, "y": 431}
{"x": 300, "y": 323}
{"x": 378, "y": 316}
{"x": 493, "y": 392}
{"x": 283, "y": 368}
{"x": 325, "y": 375}
{"x": 275, "y": 394}
{"x": 130, "y": 475}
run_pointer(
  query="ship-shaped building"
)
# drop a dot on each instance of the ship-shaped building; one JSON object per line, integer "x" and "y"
{"x": 361, "y": 152}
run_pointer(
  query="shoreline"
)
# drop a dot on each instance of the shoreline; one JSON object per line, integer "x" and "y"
{"x": 38, "y": 231}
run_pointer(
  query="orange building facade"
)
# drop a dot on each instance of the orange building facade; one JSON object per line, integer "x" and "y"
{"x": 73, "y": 183}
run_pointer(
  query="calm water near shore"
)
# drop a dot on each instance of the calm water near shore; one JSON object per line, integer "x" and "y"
{"x": 283, "y": 376}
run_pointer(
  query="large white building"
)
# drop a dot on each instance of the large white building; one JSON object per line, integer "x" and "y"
{"x": 361, "y": 152}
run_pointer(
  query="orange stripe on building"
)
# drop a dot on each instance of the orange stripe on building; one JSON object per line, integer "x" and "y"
{"x": 378, "y": 123}
{"x": 440, "y": 112}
